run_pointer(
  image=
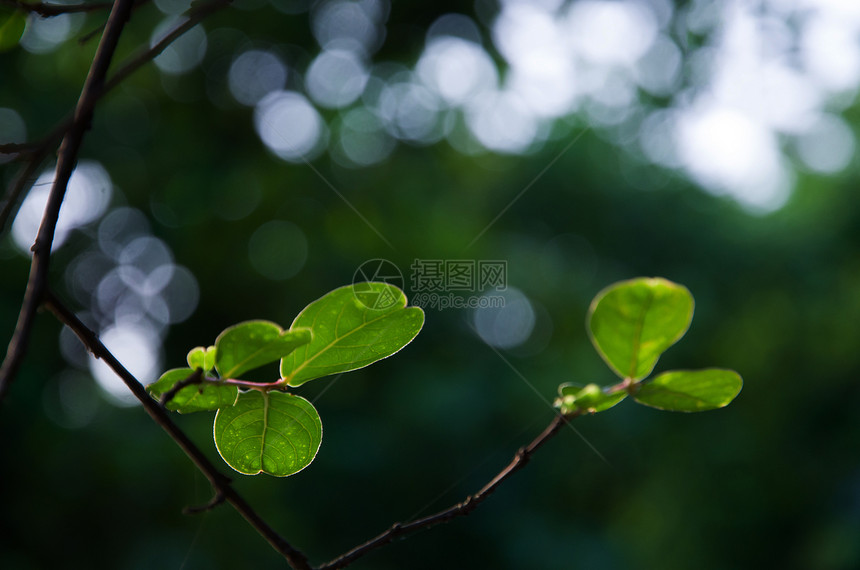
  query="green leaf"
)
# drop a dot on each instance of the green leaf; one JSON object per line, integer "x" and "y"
{"x": 633, "y": 322}
{"x": 590, "y": 398}
{"x": 252, "y": 344}
{"x": 690, "y": 390}
{"x": 351, "y": 329}
{"x": 200, "y": 357}
{"x": 12, "y": 24}
{"x": 203, "y": 397}
{"x": 268, "y": 432}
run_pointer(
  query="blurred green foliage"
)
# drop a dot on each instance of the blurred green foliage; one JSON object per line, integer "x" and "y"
{"x": 771, "y": 481}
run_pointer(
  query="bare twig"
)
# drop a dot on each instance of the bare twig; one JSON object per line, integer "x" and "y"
{"x": 36, "y": 152}
{"x": 196, "y": 15}
{"x": 21, "y": 182}
{"x": 74, "y": 129}
{"x": 39, "y": 150}
{"x": 462, "y": 508}
{"x": 98, "y": 29}
{"x": 18, "y": 148}
{"x": 68, "y": 156}
{"x": 219, "y": 482}
{"x": 83, "y": 40}
{"x": 48, "y": 10}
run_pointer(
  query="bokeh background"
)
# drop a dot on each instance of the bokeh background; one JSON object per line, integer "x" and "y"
{"x": 269, "y": 152}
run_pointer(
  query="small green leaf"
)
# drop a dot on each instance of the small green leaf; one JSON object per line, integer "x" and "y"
{"x": 252, "y": 344}
{"x": 590, "y": 398}
{"x": 203, "y": 397}
{"x": 268, "y": 432}
{"x": 200, "y": 357}
{"x": 633, "y": 322}
{"x": 12, "y": 24}
{"x": 690, "y": 390}
{"x": 351, "y": 329}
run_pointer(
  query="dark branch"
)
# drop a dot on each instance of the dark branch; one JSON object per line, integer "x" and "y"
{"x": 40, "y": 149}
{"x": 18, "y": 148}
{"x": 68, "y": 156}
{"x": 48, "y": 10}
{"x": 98, "y": 29}
{"x": 219, "y": 482}
{"x": 74, "y": 129}
{"x": 195, "y": 16}
{"x": 462, "y": 508}
{"x": 21, "y": 182}
{"x": 36, "y": 153}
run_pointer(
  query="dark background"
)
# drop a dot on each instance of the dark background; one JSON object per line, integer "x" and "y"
{"x": 771, "y": 481}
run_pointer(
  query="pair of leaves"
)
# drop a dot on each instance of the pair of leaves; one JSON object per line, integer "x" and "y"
{"x": 269, "y": 431}
{"x": 256, "y": 431}
{"x": 631, "y": 324}
{"x": 237, "y": 350}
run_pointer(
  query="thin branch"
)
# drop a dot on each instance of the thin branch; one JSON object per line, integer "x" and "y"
{"x": 19, "y": 184}
{"x": 219, "y": 482}
{"x": 40, "y": 149}
{"x": 94, "y": 88}
{"x": 68, "y": 156}
{"x": 249, "y": 385}
{"x": 462, "y": 508}
{"x": 196, "y": 15}
{"x": 83, "y": 40}
{"x": 48, "y": 10}
{"x": 37, "y": 151}
{"x": 18, "y": 148}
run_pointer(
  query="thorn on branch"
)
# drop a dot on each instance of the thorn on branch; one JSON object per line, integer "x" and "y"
{"x": 214, "y": 502}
